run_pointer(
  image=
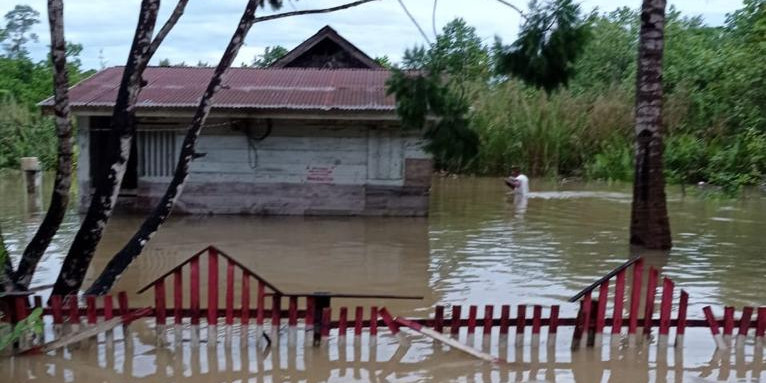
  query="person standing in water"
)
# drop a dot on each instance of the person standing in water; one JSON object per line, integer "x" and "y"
{"x": 518, "y": 182}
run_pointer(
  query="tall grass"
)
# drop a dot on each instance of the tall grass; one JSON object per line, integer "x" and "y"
{"x": 553, "y": 135}
{"x": 590, "y": 134}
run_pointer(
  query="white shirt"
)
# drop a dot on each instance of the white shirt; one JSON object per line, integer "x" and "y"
{"x": 523, "y": 187}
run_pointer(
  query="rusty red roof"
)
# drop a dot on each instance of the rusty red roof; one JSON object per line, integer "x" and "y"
{"x": 244, "y": 88}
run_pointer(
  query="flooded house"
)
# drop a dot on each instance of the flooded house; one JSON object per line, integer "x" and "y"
{"x": 314, "y": 134}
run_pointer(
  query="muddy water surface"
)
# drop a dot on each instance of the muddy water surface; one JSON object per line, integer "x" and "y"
{"x": 479, "y": 246}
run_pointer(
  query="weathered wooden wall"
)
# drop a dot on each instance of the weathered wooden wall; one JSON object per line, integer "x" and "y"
{"x": 303, "y": 167}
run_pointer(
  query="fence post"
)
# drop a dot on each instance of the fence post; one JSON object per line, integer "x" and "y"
{"x": 651, "y": 293}
{"x": 553, "y": 325}
{"x": 744, "y": 326}
{"x": 635, "y": 301}
{"x": 714, "y": 327}
{"x": 728, "y": 324}
{"x": 521, "y": 321}
{"x": 212, "y": 297}
{"x": 683, "y": 304}
{"x": 537, "y": 318}
{"x": 603, "y": 296}
{"x": 321, "y": 300}
{"x": 619, "y": 296}
{"x": 666, "y": 305}
{"x": 455, "y": 321}
{"x": 439, "y": 318}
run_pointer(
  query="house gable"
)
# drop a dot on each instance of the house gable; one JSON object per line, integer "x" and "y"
{"x": 326, "y": 50}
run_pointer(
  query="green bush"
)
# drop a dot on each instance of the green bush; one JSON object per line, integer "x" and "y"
{"x": 25, "y": 133}
{"x": 613, "y": 163}
{"x": 740, "y": 162}
{"x": 686, "y": 158}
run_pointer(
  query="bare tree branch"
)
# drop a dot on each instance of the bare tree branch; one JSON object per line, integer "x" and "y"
{"x": 60, "y": 196}
{"x": 178, "y": 11}
{"x": 433, "y": 20}
{"x": 515, "y": 8}
{"x": 311, "y": 11}
{"x": 121, "y": 260}
{"x": 407, "y": 11}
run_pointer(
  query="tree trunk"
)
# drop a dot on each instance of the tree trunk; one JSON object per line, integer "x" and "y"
{"x": 136, "y": 244}
{"x": 649, "y": 226}
{"x": 107, "y": 185}
{"x": 60, "y": 196}
{"x": 6, "y": 269}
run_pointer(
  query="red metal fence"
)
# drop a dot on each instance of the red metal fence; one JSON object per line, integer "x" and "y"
{"x": 592, "y": 317}
{"x": 628, "y": 308}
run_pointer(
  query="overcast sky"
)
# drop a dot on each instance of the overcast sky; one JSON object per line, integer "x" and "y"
{"x": 105, "y": 27}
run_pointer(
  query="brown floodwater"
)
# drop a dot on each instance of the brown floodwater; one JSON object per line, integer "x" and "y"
{"x": 478, "y": 246}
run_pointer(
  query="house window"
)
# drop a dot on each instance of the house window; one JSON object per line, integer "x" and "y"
{"x": 156, "y": 153}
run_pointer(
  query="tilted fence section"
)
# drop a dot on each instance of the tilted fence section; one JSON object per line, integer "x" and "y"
{"x": 723, "y": 330}
{"x": 72, "y": 319}
{"x": 592, "y": 317}
{"x": 642, "y": 315}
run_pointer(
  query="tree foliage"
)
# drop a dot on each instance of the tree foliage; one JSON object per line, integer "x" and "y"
{"x": 551, "y": 38}
{"x": 269, "y": 56}
{"x": 431, "y": 93}
{"x": 23, "y": 83}
{"x": 18, "y": 23}
{"x": 713, "y": 114}
{"x": 384, "y": 61}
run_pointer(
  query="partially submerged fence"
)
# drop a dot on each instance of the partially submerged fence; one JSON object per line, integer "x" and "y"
{"x": 628, "y": 308}
{"x": 269, "y": 305}
{"x": 592, "y": 318}
{"x": 71, "y": 320}
{"x": 744, "y": 324}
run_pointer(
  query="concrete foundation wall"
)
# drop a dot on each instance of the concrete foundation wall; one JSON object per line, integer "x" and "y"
{"x": 290, "y": 199}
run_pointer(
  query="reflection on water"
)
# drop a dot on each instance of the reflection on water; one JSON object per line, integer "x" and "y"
{"x": 479, "y": 246}
{"x": 389, "y": 359}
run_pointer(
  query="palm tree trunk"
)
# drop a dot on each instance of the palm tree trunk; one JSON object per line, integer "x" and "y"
{"x": 60, "y": 196}
{"x": 649, "y": 225}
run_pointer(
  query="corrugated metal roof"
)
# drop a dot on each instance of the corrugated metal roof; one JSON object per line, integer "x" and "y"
{"x": 247, "y": 88}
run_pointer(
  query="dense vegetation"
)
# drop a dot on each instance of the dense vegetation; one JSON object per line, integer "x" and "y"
{"x": 715, "y": 110}
{"x": 23, "y": 83}
{"x": 715, "y": 114}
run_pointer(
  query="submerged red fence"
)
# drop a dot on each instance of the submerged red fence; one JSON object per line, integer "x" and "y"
{"x": 72, "y": 318}
{"x": 642, "y": 313}
{"x": 624, "y": 301}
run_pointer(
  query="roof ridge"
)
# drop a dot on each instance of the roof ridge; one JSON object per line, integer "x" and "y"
{"x": 265, "y": 69}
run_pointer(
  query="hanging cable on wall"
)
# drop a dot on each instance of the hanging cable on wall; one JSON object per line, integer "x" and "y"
{"x": 253, "y": 137}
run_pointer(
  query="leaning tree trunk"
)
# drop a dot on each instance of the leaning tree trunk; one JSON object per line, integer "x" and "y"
{"x": 6, "y": 268}
{"x": 649, "y": 225}
{"x": 60, "y": 196}
{"x": 136, "y": 244}
{"x": 107, "y": 185}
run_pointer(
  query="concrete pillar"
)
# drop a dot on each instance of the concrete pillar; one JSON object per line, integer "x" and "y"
{"x": 33, "y": 180}
{"x": 83, "y": 163}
